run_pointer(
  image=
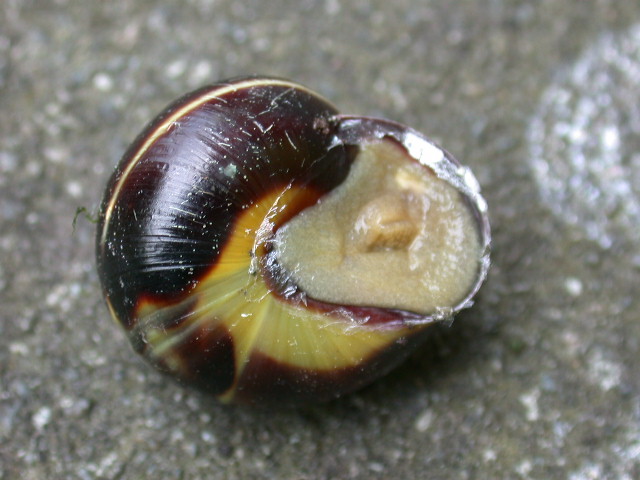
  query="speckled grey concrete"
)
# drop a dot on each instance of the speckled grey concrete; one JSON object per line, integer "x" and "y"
{"x": 538, "y": 380}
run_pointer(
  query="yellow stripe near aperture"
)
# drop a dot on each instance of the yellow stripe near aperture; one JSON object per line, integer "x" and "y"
{"x": 234, "y": 294}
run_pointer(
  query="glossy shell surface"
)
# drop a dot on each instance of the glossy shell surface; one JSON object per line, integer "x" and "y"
{"x": 184, "y": 248}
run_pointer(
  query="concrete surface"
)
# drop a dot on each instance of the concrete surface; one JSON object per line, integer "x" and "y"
{"x": 539, "y": 380}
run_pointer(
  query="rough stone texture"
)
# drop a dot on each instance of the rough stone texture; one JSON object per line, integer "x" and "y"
{"x": 538, "y": 380}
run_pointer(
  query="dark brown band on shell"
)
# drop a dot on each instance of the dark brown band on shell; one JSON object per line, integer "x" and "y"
{"x": 156, "y": 244}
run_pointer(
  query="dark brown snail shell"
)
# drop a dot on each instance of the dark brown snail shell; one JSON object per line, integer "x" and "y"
{"x": 188, "y": 253}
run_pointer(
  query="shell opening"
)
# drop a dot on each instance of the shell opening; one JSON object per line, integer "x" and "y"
{"x": 392, "y": 235}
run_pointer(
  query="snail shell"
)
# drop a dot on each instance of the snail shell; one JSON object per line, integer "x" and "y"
{"x": 257, "y": 245}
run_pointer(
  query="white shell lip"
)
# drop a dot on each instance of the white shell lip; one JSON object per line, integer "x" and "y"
{"x": 352, "y": 130}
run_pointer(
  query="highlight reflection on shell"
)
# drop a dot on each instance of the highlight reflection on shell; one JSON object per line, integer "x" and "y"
{"x": 210, "y": 241}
